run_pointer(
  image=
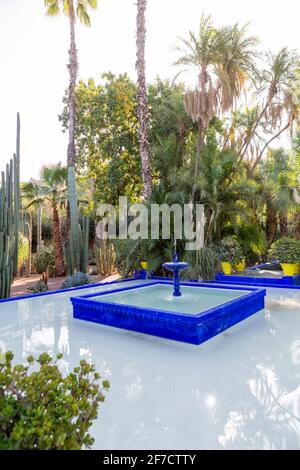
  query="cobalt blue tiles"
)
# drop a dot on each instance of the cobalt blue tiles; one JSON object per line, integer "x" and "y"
{"x": 193, "y": 328}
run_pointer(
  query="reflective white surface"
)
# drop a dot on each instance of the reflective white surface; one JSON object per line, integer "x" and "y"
{"x": 240, "y": 390}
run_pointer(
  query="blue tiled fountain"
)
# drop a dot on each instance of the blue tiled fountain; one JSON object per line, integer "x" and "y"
{"x": 190, "y": 312}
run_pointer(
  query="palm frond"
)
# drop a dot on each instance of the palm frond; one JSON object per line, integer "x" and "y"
{"x": 53, "y": 8}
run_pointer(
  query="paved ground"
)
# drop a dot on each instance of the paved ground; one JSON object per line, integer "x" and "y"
{"x": 21, "y": 284}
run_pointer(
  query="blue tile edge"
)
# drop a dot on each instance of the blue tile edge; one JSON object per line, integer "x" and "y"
{"x": 193, "y": 329}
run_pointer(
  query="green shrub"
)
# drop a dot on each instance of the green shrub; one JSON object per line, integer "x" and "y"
{"x": 285, "y": 250}
{"x": 43, "y": 410}
{"x": 203, "y": 264}
{"x": 44, "y": 261}
{"x": 37, "y": 287}
{"x": 76, "y": 280}
{"x": 230, "y": 250}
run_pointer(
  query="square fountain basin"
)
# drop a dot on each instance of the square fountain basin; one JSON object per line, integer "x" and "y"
{"x": 203, "y": 311}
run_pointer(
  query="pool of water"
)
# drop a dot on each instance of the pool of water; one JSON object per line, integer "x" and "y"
{"x": 193, "y": 300}
{"x": 239, "y": 390}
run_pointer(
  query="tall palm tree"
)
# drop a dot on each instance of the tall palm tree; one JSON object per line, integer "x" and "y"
{"x": 73, "y": 9}
{"x": 51, "y": 190}
{"x": 237, "y": 51}
{"x": 223, "y": 58}
{"x": 143, "y": 111}
{"x": 276, "y": 87}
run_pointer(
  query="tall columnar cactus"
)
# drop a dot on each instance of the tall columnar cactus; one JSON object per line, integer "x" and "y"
{"x": 77, "y": 248}
{"x": 17, "y": 194}
{"x": 105, "y": 257}
{"x": 9, "y": 223}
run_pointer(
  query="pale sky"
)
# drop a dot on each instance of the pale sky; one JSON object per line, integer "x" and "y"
{"x": 33, "y": 57}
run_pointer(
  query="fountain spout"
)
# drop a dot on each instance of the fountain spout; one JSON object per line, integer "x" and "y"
{"x": 176, "y": 266}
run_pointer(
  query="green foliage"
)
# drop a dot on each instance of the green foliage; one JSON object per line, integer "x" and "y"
{"x": 129, "y": 252}
{"x": 107, "y": 136}
{"x": 76, "y": 280}
{"x": 44, "y": 261}
{"x": 41, "y": 409}
{"x": 253, "y": 241}
{"x": 81, "y": 9}
{"x": 38, "y": 287}
{"x": 203, "y": 264}
{"x": 170, "y": 130}
{"x": 285, "y": 250}
{"x": 230, "y": 250}
{"x": 51, "y": 189}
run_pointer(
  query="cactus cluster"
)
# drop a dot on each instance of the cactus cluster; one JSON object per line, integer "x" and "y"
{"x": 9, "y": 220}
{"x": 77, "y": 248}
{"x": 105, "y": 257}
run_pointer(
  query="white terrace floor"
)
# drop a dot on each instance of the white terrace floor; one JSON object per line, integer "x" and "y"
{"x": 240, "y": 390}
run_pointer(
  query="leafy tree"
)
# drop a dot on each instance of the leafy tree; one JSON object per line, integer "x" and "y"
{"x": 107, "y": 137}
{"x": 170, "y": 131}
{"x": 41, "y": 409}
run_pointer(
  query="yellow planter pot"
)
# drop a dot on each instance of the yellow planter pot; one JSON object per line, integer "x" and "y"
{"x": 240, "y": 267}
{"x": 289, "y": 269}
{"x": 144, "y": 264}
{"x": 226, "y": 267}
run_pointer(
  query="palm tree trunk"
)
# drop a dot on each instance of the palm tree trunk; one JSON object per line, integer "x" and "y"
{"x": 283, "y": 223}
{"x": 246, "y": 144}
{"x": 271, "y": 225}
{"x": 72, "y": 214}
{"x": 73, "y": 70}
{"x": 57, "y": 243}
{"x": 200, "y": 143}
{"x": 260, "y": 155}
{"x": 143, "y": 111}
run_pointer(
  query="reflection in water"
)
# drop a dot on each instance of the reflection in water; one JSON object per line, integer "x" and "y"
{"x": 275, "y": 409}
{"x": 63, "y": 341}
{"x": 40, "y": 340}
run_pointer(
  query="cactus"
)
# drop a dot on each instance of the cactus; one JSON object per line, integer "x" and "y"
{"x": 9, "y": 223}
{"x": 105, "y": 257}
{"x": 16, "y": 183}
{"x": 77, "y": 248}
{"x": 74, "y": 225}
